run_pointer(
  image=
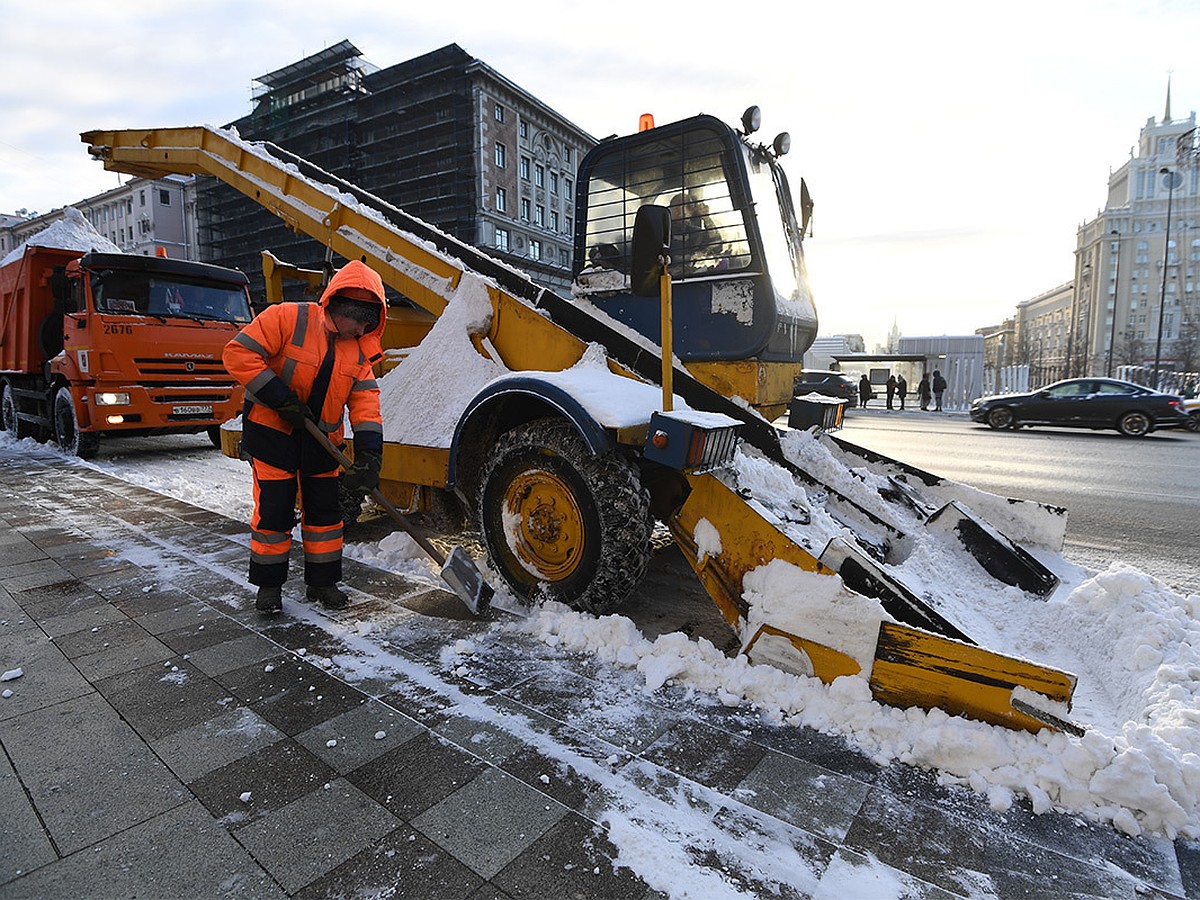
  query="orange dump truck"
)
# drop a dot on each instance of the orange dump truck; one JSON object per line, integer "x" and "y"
{"x": 108, "y": 343}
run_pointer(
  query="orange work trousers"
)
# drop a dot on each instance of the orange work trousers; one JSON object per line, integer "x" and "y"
{"x": 275, "y": 493}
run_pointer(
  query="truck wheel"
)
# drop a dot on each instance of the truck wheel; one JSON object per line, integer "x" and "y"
{"x": 66, "y": 428}
{"x": 12, "y": 424}
{"x": 561, "y": 523}
{"x": 1000, "y": 418}
{"x": 1134, "y": 424}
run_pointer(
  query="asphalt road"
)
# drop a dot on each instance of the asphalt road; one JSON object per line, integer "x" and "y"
{"x": 1136, "y": 500}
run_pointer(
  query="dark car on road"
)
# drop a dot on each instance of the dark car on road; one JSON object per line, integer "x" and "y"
{"x": 830, "y": 384}
{"x": 1192, "y": 408}
{"x": 1085, "y": 403}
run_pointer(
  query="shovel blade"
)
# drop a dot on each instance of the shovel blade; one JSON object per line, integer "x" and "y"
{"x": 467, "y": 581}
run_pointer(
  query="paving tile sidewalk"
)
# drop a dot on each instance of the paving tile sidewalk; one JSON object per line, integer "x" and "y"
{"x": 165, "y": 741}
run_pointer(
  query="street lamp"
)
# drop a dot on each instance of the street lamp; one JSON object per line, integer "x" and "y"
{"x": 1173, "y": 180}
{"x": 1112, "y": 330}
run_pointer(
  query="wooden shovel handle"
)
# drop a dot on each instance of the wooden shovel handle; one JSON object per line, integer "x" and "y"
{"x": 344, "y": 461}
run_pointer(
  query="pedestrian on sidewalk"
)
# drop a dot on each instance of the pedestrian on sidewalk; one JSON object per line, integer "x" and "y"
{"x": 891, "y": 391}
{"x": 901, "y": 390}
{"x": 864, "y": 391}
{"x": 311, "y": 361}
{"x": 923, "y": 390}
{"x": 939, "y": 388}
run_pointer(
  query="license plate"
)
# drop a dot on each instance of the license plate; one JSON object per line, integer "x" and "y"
{"x": 196, "y": 410}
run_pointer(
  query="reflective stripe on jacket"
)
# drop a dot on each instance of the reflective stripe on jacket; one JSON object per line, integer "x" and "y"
{"x": 282, "y": 349}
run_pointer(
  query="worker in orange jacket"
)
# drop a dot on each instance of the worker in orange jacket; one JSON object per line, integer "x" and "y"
{"x": 314, "y": 361}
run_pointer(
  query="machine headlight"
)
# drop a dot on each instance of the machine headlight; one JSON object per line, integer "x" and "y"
{"x": 120, "y": 398}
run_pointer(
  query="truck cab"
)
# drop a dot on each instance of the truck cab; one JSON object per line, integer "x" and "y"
{"x": 118, "y": 343}
{"x": 741, "y": 293}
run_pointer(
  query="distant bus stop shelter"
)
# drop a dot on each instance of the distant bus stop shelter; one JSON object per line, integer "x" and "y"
{"x": 962, "y": 368}
{"x": 878, "y": 366}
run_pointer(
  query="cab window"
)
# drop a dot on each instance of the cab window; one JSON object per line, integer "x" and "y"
{"x": 683, "y": 172}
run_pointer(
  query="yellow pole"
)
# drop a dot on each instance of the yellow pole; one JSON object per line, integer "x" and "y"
{"x": 664, "y": 284}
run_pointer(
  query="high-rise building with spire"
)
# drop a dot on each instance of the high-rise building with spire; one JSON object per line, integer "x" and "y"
{"x": 1137, "y": 263}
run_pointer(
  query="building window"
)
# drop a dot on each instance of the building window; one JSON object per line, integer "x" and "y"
{"x": 524, "y": 168}
{"x": 502, "y": 239}
{"x": 540, "y": 218}
{"x": 141, "y": 198}
{"x": 535, "y": 249}
{"x": 499, "y": 113}
{"x": 501, "y": 200}
{"x": 525, "y": 209}
{"x": 164, "y": 198}
{"x": 501, "y": 155}
{"x": 539, "y": 175}
{"x": 553, "y": 220}
{"x": 567, "y": 155}
{"x": 554, "y": 182}
{"x": 523, "y": 129}
{"x": 569, "y": 188}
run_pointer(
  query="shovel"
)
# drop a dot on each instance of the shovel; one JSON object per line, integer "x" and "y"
{"x": 458, "y": 569}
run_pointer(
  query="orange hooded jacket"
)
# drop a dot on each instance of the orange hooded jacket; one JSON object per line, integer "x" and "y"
{"x": 282, "y": 349}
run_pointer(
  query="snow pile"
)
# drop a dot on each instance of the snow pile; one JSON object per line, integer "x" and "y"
{"x": 423, "y": 398}
{"x": 1143, "y": 775}
{"x": 817, "y": 607}
{"x": 71, "y": 232}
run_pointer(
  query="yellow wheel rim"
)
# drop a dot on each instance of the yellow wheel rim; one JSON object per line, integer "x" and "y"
{"x": 543, "y": 525}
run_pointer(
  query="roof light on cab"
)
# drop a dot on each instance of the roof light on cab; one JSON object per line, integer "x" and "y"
{"x": 751, "y": 120}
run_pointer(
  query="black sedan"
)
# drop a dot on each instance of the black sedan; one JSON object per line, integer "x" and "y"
{"x": 1085, "y": 403}
{"x": 829, "y": 384}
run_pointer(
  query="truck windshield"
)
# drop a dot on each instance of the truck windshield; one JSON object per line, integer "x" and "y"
{"x": 683, "y": 172}
{"x": 143, "y": 293}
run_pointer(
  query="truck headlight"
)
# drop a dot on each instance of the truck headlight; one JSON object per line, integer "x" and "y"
{"x": 120, "y": 398}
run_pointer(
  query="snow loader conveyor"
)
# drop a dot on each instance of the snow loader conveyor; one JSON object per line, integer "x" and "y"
{"x": 561, "y": 485}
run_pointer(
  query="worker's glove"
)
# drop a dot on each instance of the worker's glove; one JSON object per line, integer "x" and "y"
{"x": 294, "y": 411}
{"x": 363, "y": 475}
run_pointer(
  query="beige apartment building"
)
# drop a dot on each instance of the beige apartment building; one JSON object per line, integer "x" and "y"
{"x": 1042, "y": 332}
{"x": 139, "y": 216}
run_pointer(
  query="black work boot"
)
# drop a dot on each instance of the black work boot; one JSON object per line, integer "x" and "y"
{"x": 329, "y": 596}
{"x": 269, "y": 600}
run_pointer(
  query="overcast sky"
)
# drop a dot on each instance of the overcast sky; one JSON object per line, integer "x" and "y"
{"x": 952, "y": 149}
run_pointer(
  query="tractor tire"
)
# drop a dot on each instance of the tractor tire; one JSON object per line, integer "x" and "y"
{"x": 14, "y": 426}
{"x": 66, "y": 428}
{"x": 1135, "y": 424}
{"x": 562, "y": 524}
{"x": 1000, "y": 418}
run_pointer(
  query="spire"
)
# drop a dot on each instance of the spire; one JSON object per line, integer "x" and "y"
{"x": 1167, "y": 112}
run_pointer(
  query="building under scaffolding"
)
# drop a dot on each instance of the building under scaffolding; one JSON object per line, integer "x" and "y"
{"x": 443, "y": 136}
